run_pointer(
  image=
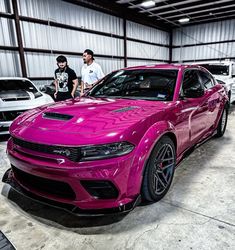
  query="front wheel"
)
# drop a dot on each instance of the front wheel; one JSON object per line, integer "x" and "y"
{"x": 222, "y": 123}
{"x": 159, "y": 171}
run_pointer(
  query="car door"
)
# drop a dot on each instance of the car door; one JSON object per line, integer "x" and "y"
{"x": 212, "y": 96}
{"x": 194, "y": 110}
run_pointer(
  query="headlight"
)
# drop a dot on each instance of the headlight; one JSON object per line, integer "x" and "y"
{"x": 99, "y": 152}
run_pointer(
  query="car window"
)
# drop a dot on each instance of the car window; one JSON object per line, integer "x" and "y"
{"x": 148, "y": 84}
{"x": 206, "y": 79}
{"x": 190, "y": 81}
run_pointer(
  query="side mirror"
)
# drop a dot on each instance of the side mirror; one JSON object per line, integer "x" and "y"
{"x": 193, "y": 93}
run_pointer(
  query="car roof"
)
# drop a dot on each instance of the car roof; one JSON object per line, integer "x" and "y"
{"x": 163, "y": 66}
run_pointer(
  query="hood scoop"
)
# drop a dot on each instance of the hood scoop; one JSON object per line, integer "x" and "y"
{"x": 14, "y": 95}
{"x": 56, "y": 116}
{"x": 125, "y": 109}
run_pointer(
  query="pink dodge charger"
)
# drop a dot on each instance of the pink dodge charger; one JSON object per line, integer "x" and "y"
{"x": 119, "y": 143}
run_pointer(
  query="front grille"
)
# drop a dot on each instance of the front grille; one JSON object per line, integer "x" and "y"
{"x": 57, "y": 116}
{"x": 57, "y": 188}
{"x": 10, "y": 115}
{"x": 72, "y": 153}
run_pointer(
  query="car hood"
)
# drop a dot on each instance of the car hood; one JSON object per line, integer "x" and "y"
{"x": 22, "y": 100}
{"x": 88, "y": 121}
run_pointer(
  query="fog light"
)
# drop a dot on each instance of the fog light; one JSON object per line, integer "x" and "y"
{"x": 100, "y": 189}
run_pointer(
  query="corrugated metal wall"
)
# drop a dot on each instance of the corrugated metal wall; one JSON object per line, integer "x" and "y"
{"x": 146, "y": 51}
{"x": 9, "y": 60}
{"x": 132, "y": 63}
{"x": 145, "y": 33}
{"x": 136, "y": 49}
{"x": 43, "y": 65}
{"x": 5, "y": 6}
{"x": 145, "y": 45}
{"x": 53, "y": 38}
{"x": 213, "y": 34}
{"x": 66, "y": 13}
{"x": 9, "y": 63}
{"x": 7, "y": 32}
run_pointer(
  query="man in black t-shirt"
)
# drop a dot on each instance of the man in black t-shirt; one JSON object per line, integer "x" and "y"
{"x": 66, "y": 81}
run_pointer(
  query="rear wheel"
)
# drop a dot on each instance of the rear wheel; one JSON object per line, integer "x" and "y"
{"x": 222, "y": 123}
{"x": 159, "y": 171}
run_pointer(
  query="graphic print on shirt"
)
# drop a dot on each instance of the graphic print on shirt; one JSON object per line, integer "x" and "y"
{"x": 62, "y": 79}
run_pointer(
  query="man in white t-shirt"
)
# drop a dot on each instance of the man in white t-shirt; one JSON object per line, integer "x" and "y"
{"x": 91, "y": 71}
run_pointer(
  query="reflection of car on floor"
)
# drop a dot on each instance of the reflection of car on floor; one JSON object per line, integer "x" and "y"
{"x": 16, "y": 96}
{"x": 121, "y": 141}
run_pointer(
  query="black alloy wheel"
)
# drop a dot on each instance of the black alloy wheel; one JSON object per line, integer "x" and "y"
{"x": 222, "y": 122}
{"x": 159, "y": 171}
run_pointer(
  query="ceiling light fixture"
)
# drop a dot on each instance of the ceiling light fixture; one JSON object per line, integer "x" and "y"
{"x": 184, "y": 20}
{"x": 148, "y": 4}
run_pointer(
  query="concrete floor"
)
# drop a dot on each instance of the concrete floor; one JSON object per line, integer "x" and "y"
{"x": 197, "y": 213}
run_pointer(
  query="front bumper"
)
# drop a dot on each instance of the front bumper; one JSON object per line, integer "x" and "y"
{"x": 61, "y": 181}
{"x": 12, "y": 185}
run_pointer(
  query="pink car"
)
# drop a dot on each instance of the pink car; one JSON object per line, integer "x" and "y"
{"x": 121, "y": 141}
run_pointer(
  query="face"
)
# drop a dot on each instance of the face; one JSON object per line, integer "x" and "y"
{"x": 62, "y": 65}
{"x": 86, "y": 57}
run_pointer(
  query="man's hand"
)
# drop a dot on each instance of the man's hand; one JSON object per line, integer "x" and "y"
{"x": 72, "y": 94}
{"x": 55, "y": 95}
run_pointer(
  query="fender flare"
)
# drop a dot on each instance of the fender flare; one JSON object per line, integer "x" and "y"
{"x": 143, "y": 151}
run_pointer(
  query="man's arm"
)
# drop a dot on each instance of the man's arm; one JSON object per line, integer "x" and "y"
{"x": 75, "y": 85}
{"x": 82, "y": 87}
{"x": 56, "y": 88}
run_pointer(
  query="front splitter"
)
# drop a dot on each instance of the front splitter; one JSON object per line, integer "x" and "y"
{"x": 11, "y": 185}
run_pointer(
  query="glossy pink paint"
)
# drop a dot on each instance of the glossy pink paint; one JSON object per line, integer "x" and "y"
{"x": 186, "y": 121}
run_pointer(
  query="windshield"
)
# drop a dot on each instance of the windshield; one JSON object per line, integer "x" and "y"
{"x": 6, "y": 85}
{"x": 217, "y": 69}
{"x": 147, "y": 84}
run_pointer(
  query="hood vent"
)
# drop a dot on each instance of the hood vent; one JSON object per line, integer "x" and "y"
{"x": 15, "y": 99}
{"x": 125, "y": 109}
{"x": 57, "y": 116}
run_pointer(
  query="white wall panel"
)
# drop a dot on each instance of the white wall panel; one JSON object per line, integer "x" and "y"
{"x": 145, "y": 33}
{"x": 44, "y": 65}
{"x": 204, "y": 52}
{"x": 71, "y": 14}
{"x": 135, "y": 49}
{"x": 5, "y": 6}
{"x": 47, "y": 37}
{"x": 7, "y": 32}
{"x": 9, "y": 63}
{"x": 205, "y": 33}
{"x": 210, "y": 32}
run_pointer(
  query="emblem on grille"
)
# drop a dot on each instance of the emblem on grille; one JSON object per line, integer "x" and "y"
{"x": 65, "y": 152}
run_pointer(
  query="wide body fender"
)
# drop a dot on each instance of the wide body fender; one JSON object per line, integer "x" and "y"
{"x": 143, "y": 152}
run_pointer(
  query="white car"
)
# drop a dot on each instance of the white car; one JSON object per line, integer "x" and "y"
{"x": 17, "y": 95}
{"x": 223, "y": 71}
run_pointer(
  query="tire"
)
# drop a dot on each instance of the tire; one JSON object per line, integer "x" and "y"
{"x": 222, "y": 122}
{"x": 159, "y": 170}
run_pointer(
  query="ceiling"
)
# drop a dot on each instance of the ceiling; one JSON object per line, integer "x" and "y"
{"x": 166, "y": 13}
